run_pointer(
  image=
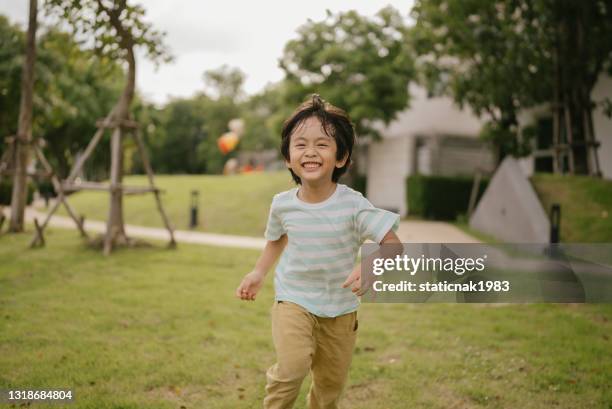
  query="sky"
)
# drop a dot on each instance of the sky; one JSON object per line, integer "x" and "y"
{"x": 204, "y": 35}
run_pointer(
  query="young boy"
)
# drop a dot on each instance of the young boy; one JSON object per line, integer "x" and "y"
{"x": 318, "y": 227}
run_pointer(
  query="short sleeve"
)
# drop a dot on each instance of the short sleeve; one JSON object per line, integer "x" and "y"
{"x": 274, "y": 228}
{"x": 373, "y": 223}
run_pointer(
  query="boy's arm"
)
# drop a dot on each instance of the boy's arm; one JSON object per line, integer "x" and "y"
{"x": 253, "y": 281}
{"x": 355, "y": 277}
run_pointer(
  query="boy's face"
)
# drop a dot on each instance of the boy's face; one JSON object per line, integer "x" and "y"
{"x": 312, "y": 153}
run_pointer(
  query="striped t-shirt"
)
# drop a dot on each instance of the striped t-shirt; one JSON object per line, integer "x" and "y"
{"x": 323, "y": 242}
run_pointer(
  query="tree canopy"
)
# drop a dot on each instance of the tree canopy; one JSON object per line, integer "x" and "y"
{"x": 358, "y": 63}
{"x": 111, "y": 27}
{"x": 74, "y": 88}
{"x": 499, "y": 57}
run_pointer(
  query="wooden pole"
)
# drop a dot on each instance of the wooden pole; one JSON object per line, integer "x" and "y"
{"x": 147, "y": 165}
{"x": 593, "y": 145}
{"x": 90, "y": 147}
{"x": 114, "y": 215}
{"x": 557, "y": 164}
{"x": 39, "y": 239}
{"x": 569, "y": 133}
{"x": 34, "y": 241}
{"x": 58, "y": 188}
{"x": 134, "y": 190}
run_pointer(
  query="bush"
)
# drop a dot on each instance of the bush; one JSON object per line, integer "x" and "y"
{"x": 45, "y": 188}
{"x": 441, "y": 197}
{"x": 6, "y": 191}
{"x": 359, "y": 184}
{"x": 355, "y": 182}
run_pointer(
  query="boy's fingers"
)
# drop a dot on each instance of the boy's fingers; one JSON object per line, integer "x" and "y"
{"x": 246, "y": 293}
{"x": 242, "y": 291}
{"x": 242, "y": 288}
{"x": 348, "y": 281}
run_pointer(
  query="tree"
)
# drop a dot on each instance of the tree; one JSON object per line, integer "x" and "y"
{"x": 476, "y": 52}
{"x": 117, "y": 29}
{"x": 217, "y": 115}
{"x": 358, "y": 63}
{"x": 501, "y": 57}
{"x": 185, "y": 132}
{"x": 263, "y": 114}
{"x": 24, "y": 129}
{"x": 73, "y": 89}
{"x": 11, "y": 49}
{"x": 225, "y": 82}
{"x": 579, "y": 36}
{"x": 176, "y": 139}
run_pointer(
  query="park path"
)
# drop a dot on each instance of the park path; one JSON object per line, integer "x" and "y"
{"x": 410, "y": 231}
{"x": 425, "y": 231}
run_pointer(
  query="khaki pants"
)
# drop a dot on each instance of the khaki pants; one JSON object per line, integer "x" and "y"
{"x": 305, "y": 342}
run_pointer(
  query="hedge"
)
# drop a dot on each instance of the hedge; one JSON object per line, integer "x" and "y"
{"x": 440, "y": 197}
{"x": 359, "y": 184}
{"x": 45, "y": 188}
{"x": 6, "y": 191}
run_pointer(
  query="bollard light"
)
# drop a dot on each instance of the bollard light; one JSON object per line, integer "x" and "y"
{"x": 193, "y": 219}
{"x": 555, "y": 223}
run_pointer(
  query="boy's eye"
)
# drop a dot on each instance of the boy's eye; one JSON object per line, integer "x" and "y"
{"x": 322, "y": 145}
{"x": 300, "y": 145}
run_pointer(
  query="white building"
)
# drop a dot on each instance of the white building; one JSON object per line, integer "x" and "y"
{"x": 432, "y": 136}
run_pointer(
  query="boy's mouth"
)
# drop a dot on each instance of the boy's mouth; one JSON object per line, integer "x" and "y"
{"x": 311, "y": 165}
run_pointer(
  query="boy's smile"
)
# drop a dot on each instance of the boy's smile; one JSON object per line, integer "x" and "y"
{"x": 312, "y": 153}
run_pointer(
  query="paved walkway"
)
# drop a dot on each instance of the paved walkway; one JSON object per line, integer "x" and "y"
{"x": 411, "y": 231}
{"x": 422, "y": 231}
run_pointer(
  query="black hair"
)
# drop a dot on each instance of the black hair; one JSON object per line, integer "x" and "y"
{"x": 335, "y": 123}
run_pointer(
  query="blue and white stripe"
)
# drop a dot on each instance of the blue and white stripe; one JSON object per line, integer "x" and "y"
{"x": 323, "y": 242}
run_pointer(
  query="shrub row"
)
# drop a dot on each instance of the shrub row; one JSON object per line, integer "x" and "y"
{"x": 440, "y": 197}
{"x": 6, "y": 191}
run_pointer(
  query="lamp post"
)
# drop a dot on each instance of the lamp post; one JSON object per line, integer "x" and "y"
{"x": 555, "y": 223}
{"x": 193, "y": 219}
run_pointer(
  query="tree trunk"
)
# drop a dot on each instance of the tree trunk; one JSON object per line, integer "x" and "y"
{"x": 115, "y": 229}
{"x": 24, "y": 127}
{"x": 577, "y": 79}
{"x": 558, "y": 153}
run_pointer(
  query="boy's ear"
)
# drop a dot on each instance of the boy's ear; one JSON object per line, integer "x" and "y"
{"x": 340, "y": 163}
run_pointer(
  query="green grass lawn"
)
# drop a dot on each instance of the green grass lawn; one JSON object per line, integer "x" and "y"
{"x": 237, "y": 204}
{"x": 586, "y": 205}
{"x": 157, "y": 328}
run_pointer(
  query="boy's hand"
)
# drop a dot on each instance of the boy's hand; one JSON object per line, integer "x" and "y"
{"x": 250, "y": 286}
{"x": 359, "y": 287}
{"x": 355, "y": 279}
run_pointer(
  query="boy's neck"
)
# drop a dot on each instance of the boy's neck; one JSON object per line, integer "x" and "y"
{"x": 310, "y": 193}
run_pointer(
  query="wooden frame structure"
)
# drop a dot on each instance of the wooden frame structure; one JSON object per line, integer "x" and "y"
{"x": 48, "y": 173}
{"x": 70, "y": 184}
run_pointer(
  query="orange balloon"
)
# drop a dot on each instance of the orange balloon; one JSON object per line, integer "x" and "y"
{"x": 227, "y": 142}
